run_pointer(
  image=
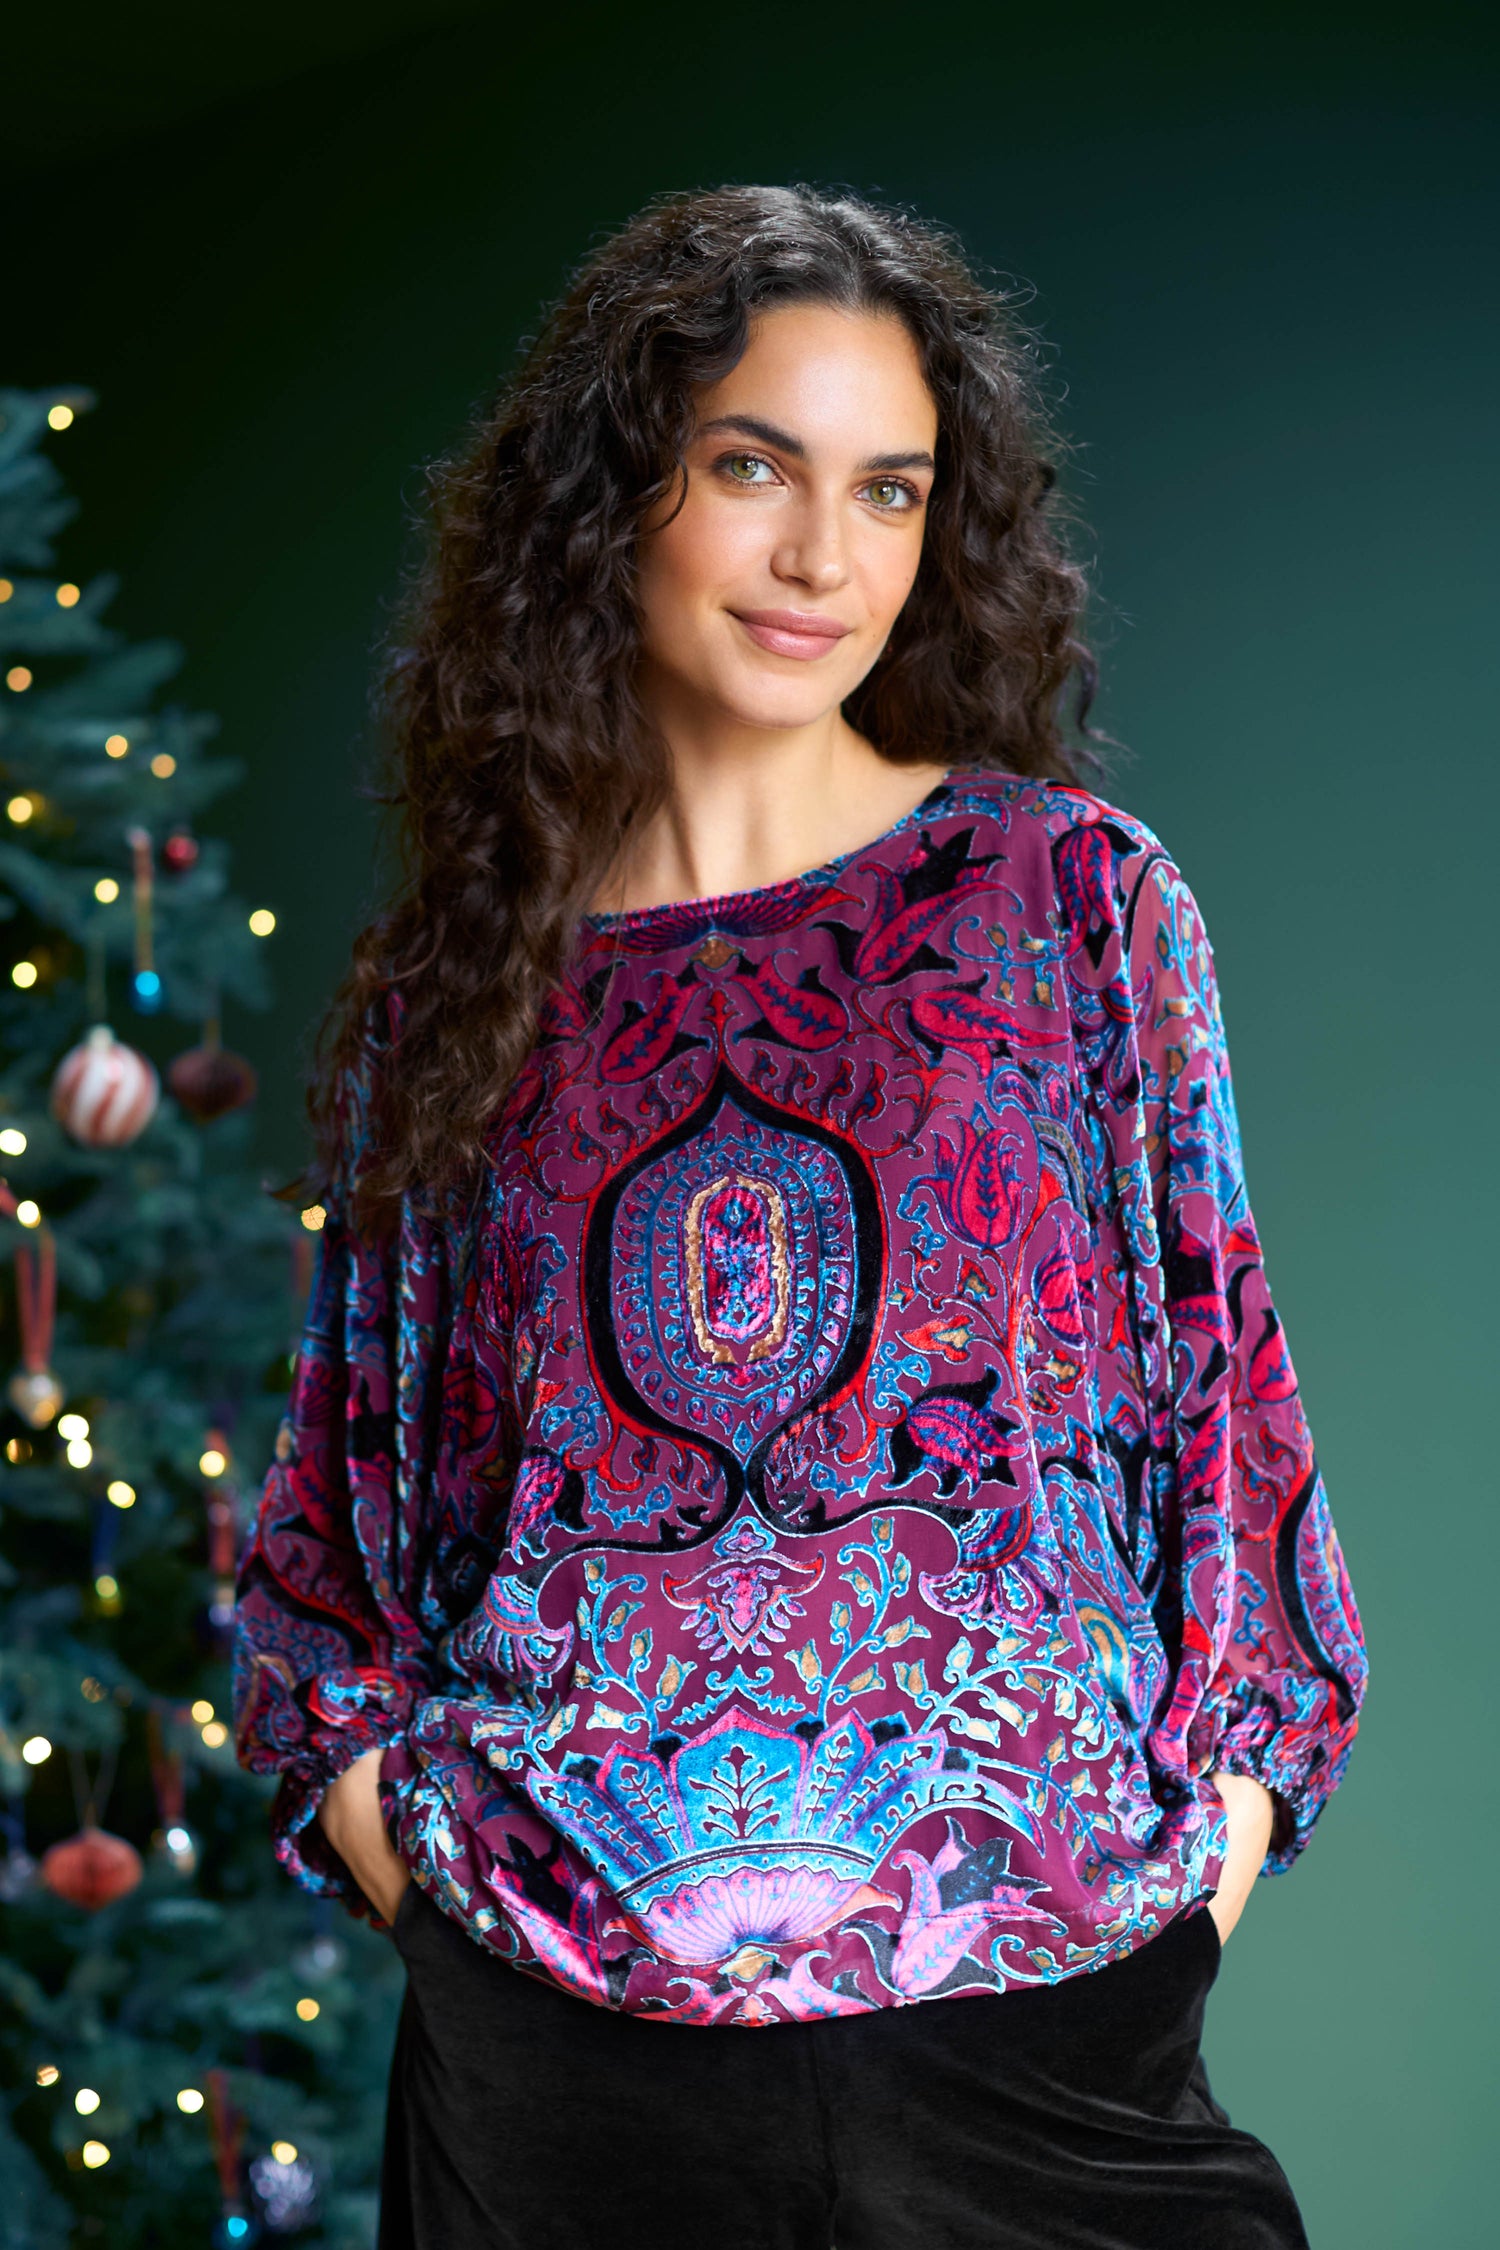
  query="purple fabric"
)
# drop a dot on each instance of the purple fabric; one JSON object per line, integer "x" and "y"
{"x": 807, "y": 1539}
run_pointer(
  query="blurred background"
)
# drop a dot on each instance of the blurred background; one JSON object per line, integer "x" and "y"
{"x": 290, "y": 252}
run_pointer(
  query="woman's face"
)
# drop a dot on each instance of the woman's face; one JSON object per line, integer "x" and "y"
{"x": 769, "y": 594}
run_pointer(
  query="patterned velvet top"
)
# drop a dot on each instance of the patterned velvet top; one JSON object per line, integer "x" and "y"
{"x": 808, "y": 1537}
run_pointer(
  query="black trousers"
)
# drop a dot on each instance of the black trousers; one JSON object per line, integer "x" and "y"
{"x": 1075, "y": 2116}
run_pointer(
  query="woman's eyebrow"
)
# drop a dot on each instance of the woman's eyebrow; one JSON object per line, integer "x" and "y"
{"x": 897, "y": 461}
{"x": 748, "y": 425}
{"x": 767, "y": 433}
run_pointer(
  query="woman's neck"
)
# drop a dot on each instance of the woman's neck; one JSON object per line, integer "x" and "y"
{"x": 754, "y": 807}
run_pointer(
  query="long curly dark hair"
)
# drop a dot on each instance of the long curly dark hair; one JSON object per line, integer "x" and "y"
{"x": 522, "y": 762}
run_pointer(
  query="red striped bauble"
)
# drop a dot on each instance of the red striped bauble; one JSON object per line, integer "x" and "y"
{"x": 104, "y": 1092}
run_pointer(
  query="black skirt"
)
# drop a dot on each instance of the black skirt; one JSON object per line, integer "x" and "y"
{"x": 1075, "y": 2116}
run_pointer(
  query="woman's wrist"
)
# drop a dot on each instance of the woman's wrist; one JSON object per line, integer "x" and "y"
{"x": 350, "y": 1817}
{"x": 1250, "y": 1812}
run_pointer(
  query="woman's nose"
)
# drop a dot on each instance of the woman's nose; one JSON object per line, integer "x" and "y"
{"x": 812, "y": 550}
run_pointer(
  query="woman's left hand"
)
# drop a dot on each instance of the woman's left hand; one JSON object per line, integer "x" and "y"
{"x": 1251, "y": 1810}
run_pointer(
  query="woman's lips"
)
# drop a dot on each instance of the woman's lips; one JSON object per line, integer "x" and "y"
{"x": 791, "y": 632}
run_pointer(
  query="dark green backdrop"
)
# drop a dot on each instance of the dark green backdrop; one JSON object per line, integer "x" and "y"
{"x": 1265, "y": 255}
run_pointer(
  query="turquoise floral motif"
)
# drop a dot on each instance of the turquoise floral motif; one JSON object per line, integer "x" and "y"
{"x": 747, "y": 1833}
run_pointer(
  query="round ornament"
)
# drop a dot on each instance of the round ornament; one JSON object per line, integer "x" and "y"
{"x": 91, "y": 1869}
{"x": 180, "y": 852}
{"x": 36, "y": 1394}
{"x": 103, "y": 1092}
{"x": 210, "y": 1081}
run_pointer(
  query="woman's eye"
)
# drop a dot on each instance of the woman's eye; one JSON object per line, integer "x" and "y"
{"x": 746, "y": 468}
{"x": 891, "y": 495}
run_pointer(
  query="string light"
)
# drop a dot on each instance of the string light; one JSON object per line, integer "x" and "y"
{"x": 94, "y": 2154}
{"x": 164, "y": 765}
{"x": 211, "y": 1462}
{"x": 80, "y": 1453}
{"x": 20, "y": 810}
{"x": 308, "y": 2010}
{"x": 262, "y": 921}
{"x": 72, "y": 1425}
{"x": 29, "y": 1213}
{"x": 120, "y": 1494}
{"x": 13, "y": 1141}
{"x": 60, "y": 417}
{"x": 189, "y": 2101}
{"x": 313, "y": 1218}
{"x": 37, "y": 1750}
{"x": 17, "y": 1449}
{"x": 18, "y": 679}
{"x": 92, "y": 1690}
{"x": 215, "y": 1735}
{"x": 85, "y": 2101}
{"x": 202, "y": 1711}
{"x": 47, "y": 2074}
{"x": 24, "y": 975}
{"x": 116, "y": 745}
{"x": 106, "y": 890}
{"x": 107, "y": 1586}
{"x": 67, "y": 597}
{"x": 7, "y": 588}
{"x": 285, "y": 2152}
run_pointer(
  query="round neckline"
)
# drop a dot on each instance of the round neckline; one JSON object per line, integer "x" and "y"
{"x": 632, "y": 917}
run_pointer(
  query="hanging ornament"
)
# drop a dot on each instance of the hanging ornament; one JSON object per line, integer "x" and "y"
{"x": 104, "y": 1093}
{"x": 36, "y": 1396}
{"x": 91, "y": 1869}
{"x": 209, "y": 1081}
{"x": 145, "y": 984}
{"x": 173, "y": 1841}
{"x": 180, "y": 852}
{"x": 34, "y": 1391}
{"x": 226, "y": 2132}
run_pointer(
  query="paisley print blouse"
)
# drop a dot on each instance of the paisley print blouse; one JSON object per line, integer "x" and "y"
{"x": 807, "y": 1538}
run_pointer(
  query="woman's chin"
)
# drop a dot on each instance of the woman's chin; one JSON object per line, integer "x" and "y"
{"x": 774, "y": 695}
{"x": 780, "y": 706}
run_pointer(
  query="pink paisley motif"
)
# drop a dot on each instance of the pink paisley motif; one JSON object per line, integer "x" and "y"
{"x": 648, "y": 1035}
{"x": 805, "y": 1014}
{"x": 980, "y": 1185}
{"x": 1271, "y": 1375}
{"x": 977, "y": 1026}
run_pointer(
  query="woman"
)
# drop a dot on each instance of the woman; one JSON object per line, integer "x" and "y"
{"x": 795, "y": 1512}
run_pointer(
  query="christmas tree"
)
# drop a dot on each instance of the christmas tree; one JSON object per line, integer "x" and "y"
{"x": 191, "y": 2050}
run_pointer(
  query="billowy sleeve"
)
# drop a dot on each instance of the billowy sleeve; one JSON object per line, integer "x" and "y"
{"x": 329, "y": 1655}
{"x": 1248, "y": 1582}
